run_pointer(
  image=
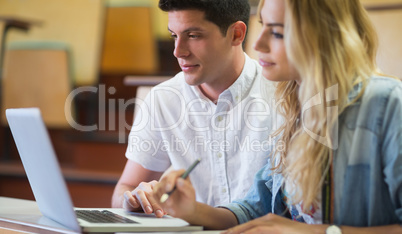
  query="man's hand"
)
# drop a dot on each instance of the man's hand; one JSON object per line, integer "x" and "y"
{"x": 141, "y": 198}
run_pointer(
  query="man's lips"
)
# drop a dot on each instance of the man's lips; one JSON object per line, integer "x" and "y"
{"x": 188, "y": 67}
{"x": 265, "y": 63}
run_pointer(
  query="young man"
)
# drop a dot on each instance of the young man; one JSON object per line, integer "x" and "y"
{"x": 212, "y": 110}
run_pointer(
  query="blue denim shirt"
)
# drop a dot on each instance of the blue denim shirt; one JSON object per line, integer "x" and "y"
{"x": 367, "y": 164}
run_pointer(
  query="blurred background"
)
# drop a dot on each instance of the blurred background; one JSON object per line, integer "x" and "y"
{"x": 105, "y": 49}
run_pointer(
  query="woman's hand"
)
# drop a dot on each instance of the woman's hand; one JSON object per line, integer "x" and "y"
{"x": 181, "y": 203}
{"x": 272, "y": 223}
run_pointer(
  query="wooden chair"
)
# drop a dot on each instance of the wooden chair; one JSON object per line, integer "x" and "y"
{"x": 37, "y": 74}
{"x": 129, "y": 46}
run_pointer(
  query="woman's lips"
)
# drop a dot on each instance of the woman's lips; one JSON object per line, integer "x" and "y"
{"x": 265, "y": 64}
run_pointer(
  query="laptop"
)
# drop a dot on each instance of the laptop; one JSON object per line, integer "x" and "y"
{"x": 51, "y": 193}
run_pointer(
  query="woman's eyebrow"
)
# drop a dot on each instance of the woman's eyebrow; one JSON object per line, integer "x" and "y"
{"x": 274, "y": 24}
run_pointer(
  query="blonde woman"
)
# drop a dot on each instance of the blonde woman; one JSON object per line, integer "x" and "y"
{"x": 341, "y": 169}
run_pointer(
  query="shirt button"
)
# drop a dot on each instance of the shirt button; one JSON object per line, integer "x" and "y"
{"x": 223, "y": 190}
{"x": 219, "y": 155}
{"x": 220, "y": 118}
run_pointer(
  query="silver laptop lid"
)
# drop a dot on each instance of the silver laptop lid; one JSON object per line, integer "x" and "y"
{"x": 41, "y": 166}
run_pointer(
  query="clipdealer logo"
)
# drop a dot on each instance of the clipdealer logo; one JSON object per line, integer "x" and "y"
{"x": 331, "y": 135}
{"x": 249, "y": 114}
{"x": 200, "y": 144}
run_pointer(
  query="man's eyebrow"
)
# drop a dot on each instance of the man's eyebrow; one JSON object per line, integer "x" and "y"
{"x": 191, "y": 29}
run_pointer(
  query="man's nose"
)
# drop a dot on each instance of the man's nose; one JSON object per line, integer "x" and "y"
{"x": 181, "y": 48}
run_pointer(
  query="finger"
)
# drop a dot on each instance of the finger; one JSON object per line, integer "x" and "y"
{"x": 178, "y": 194}
{"x": 262, "y": 229}
{"x": 158, "y": 210}
{"x": 170, "y": 180}
{"x": 166, "y": 184}
{"x": 184, "y": 186}
{"x": 153, "y": 184}
{"x": 244, "y": 227}
{"x": 183, "y": 192}
{"x": 158, "y": 191}
{"x": 143, "y": 200}
{"x": 130, "y": 202}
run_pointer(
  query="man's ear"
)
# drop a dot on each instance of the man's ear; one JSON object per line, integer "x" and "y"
{"x": 239, "y": 30}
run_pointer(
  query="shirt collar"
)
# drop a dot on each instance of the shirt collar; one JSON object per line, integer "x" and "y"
{"x": 355, "y": 91}
{"x": 241, "y": 87}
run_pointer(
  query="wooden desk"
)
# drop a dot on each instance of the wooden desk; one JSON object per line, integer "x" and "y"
{"x": 145, "y": 80}
{"x": 81, "y": 183}
{"x": 20, "y": 215}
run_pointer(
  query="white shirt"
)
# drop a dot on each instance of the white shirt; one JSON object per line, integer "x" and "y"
{"x": 177, "y": 124}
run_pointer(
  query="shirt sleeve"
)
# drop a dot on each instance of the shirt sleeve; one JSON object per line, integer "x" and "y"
{"x": 146, "y": 145}
{"x": 392, "y": 147}
{"x": 258, "y": 199}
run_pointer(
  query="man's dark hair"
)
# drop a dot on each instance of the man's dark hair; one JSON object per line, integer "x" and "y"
{"x": 223, "y": 13}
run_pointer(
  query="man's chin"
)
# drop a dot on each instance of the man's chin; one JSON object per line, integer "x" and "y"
{"x": 191, "y": 79}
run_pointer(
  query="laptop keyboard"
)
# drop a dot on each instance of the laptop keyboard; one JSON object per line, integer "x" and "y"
{"x": 101, "y": 216}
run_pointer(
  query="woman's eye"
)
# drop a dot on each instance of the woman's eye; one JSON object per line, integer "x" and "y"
{"x": 277, "y": 35}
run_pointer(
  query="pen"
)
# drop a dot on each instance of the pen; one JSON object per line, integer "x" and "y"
{"x": 184, "y": 176}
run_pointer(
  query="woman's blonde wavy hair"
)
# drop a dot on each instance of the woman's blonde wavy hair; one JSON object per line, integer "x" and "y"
{"x": 332, "y": 44}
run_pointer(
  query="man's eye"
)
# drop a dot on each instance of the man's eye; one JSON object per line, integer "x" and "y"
{"x": 193, "y": 36}
{"x": 173, "y": 36}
